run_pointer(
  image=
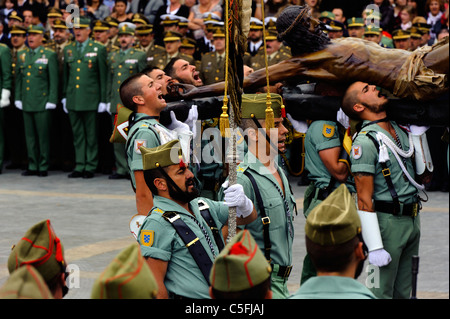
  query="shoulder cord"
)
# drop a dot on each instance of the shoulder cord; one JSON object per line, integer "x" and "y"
{"x": 384, "y": 140}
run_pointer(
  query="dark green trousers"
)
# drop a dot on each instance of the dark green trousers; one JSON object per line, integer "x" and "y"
{"x": 85, "y": 142}
{"x": 37, "y": 138}
{"x": 2, "y": 138}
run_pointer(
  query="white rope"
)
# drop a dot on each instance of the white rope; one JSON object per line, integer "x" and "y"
{"x": 396, "y": 151}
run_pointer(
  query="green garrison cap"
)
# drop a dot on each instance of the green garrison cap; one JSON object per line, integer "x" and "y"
{"x": 240, "y": 265}
{"x": 120, "y": 130}
{"x": 35, "y": 29}
{"x": 41, "y": 248}
{"x": 162, "y": 156}
{"x": 128, "y": 276}
{"x": 256, "y": 104}
{"x": 25, "y": 283}
{"x": 335, "y": 220}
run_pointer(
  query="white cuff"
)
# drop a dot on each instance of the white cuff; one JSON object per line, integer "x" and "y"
{"x": 370, "y": 230}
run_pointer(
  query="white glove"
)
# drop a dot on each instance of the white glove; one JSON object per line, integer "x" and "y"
{"x": 299, "y": 126}
{"x": 192, "y": 119}
{"x": 418, "y": 130}
{"x": 5, "y": 97}
{"x": 108, "y": 108}
{"x": 101, "y": 107}
{"x": 50, "y": 106}
{"x": 176, "y": 125}
{"x": 63, "y": 101}
{"x": 235, "y": 197}
{"x": 342, "y": 118}
{"x": 18, "y": 104}
{"x": 379, "y": 257}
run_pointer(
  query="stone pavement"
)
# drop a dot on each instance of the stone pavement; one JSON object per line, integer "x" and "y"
{"x": 91, "y": 216}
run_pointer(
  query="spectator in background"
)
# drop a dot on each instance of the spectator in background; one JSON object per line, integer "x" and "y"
{"x": 398, "y": 6}
{"x": 434, "y": 10}
{"x": 387, "y": 14}
{"x": 196, "y": 16}
{"x": 99, "y": 10}
{"x": 272, "y": 8}
{"x": 147, "y": 8}
{"x": 407, "y": 14}
{"x": 120, "y": 11}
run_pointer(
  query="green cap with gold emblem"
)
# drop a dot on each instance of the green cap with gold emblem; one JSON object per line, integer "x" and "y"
{"x": 59, "y": 24}
{"x": 81, "y": 23}
{"x": 172, "y": 36}
{"x": 38, "y": 29}
{"x": 162, "y": 156}
{"x": 400, "y": 34}
{"x": 41, "y": 248}
{"x": 355, "y": 22}
{"x": 254, "y": 105}
{"x": 125, "y": 29}
{"x": 371, "y": 30}
{"x": 25, "y": 283}
{"x": 240, "y": 265}
{"x": 128, "y": 276}
{"x": 335, "y": 220}
{"x": 100, "y": 25}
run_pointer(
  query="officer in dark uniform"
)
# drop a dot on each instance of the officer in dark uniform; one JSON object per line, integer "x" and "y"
{"x": 255, "y": 36}
{"x": 145, "y": 35}
{"x": 172, "y": 42}
{"x": 274, "y": 54}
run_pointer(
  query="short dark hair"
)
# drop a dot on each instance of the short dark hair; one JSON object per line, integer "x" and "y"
{"x": 331, "y": 258}
{"x": 256, "y": 292}
{"x": 169, "y": 70}
{"x": 149, "y": 70}
{"x": 130, "y": 88}
{"x": 149, "y": 176}
{"x": 348, "y": 102}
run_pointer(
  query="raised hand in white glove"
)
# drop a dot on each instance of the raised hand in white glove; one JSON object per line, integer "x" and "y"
{"x": 379, "y": 257}
{"x": 299, "y": 126}
{"x": 192, "y": 119}
{"x": 18, "y": 104}
{"x": 63, "y": 101}
{"x": 5, "y": 97}
{"x": 235, "y": 197}
{"x": 342, "y": 118}
{"x": 101, "y": 107}
{"x": 50, "y": 106}
{"x": 176, "y": 125}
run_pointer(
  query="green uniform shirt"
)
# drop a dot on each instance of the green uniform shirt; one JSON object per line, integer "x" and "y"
{"x": 332, "y": 287}
{"x": 85, "y": 76}
{"x": 147, "y": 136}
{"x": 280, "y": 236}
{"x": 183, "y": 276}
{"x": 5, "y": 67}
{"x": 36, "y": 78}
{"x": 321, "y": 135}
{"x": 364, "y": 157}
{"x": 122, "y": 65}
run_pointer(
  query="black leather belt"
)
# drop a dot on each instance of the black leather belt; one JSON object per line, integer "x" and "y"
{"x": 410, "y": 210}
{"x": 322, "y": 193}
{"x": 283, "y": 271}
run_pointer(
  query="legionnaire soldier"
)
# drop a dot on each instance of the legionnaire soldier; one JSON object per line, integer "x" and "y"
{"x": 145, "y": 35}
{"x": 142, "y": 96}
{"x": 42, "y": 249}
{"x": 212, "y": 67}
{"x": 36, "y": 93}
{"x": 274, "y": 54}
{"x": 388, "y": 201}
{"x": 181, "y": 235}
{"x": 334, "y": 242}
{"x": 266, "y": 184}
{"x": 85, "y": 73}
{"x": 25, "y": 283}
{"x": 126, "y": 277}
{"x": 327, "y": 149}
{"x": 5, "y": 93}
{"x": 122, "y": 64}
{"x": 172, "y": 42}
{"x": 241, "y": 270}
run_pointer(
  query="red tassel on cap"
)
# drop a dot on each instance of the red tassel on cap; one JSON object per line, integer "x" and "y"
{"x": 59, "y": 255}
{"x": 283, "y": 111}
{"x": 180, "y": 157}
